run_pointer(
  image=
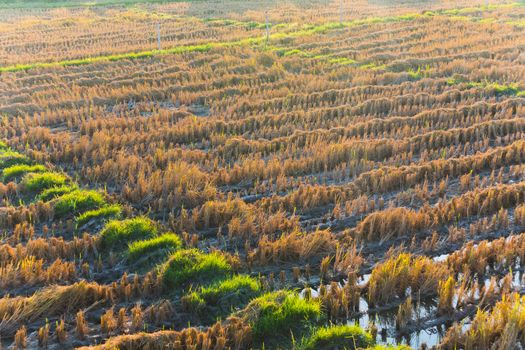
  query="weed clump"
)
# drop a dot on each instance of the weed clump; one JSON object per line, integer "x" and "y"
{"x": 234, "y": 292}
{"x": 9, "y": 158}
{"x": 78, "y": 201}
{"x": 38, "y": 182}
{"x": 338, "y": 337}
{"x": 15, "y": 171}
{"x": 191, "y": 265}
{"x": 104, "y": 213}
{"x": 54, "y": 192}
{"x": 163, "y": 244}
{"x": 119, "y": 232}
{"x": 278, "y": 313}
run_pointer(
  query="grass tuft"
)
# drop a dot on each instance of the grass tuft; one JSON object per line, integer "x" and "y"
{"x": 191, "y": 265}
{"x": 164, "y": 244}
{"x": 38, "y": 182}
{"x": 12, "y": 172}
{"x": 78, "y": 201}
{"x": 9, "y": 158}
{"x": 102, "y": 214}
{"x": 225, "y": 295}
{"x": 118, "y": 233}
{"x": 338, "y": 337}
{"x": 54, "y": 192}
{"x": 280, "y": 312}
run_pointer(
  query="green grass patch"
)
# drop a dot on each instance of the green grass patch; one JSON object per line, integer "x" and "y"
{"x": 294, "y": 52}
{"x": 419, "y": 73}
{"x": 518, "y": 23}
{"x": 231, "y": 22}
{"x": 341, "y": 60}
{"x": 414, "y": 74}
{"x": 77, "y": 202}
{"x": 38, "y": 182}
{"x": 115, "y": 57}
{"x": 223, "y": 296}
{"x": 456, "y": 79}
{"x": 279, "y": 313}
{"x": 102, "y": 214}
{"x": 192, "y": 265}
{"x": 372, "y": 66}
{"x": 118, "y": 233}
{"x": 9, "y": 158}
{"x": 474, "y": 10}
{"x": 54, "y": 192}
{"x": 3, "y": 146}
{"x": 499, "y": 89}
{"x": 161, "y": 245}
{"x": 338, "y": 337}
{"x": 15, "y": 171}
{"x": 288, "y": 33}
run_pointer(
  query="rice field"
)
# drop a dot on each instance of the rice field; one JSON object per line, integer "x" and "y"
{"x": 244, "y": 175}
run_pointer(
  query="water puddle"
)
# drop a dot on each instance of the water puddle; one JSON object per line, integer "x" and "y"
{"x": 423, "y": 311}
{"x": 385, "y": 321}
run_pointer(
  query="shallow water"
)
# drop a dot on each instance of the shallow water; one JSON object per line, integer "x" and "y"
{"x": 385, "y": 321}
{"x": 441, "y": 258}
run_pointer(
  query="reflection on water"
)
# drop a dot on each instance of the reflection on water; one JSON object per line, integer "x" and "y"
{"x": 385, "y": 320}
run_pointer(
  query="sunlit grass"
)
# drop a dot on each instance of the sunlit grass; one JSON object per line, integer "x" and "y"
{"x": 225, "y": 295}
{"x": 55, "y": 192}
{"x": 9, "y": 158}
{"x": 277, "y": 313}
{"x": 498, "y": 88}
{"x": 15, "y": 171}
{"x": 101, "y": 214}
{"x": 338, "y": 337}
{"x": 118, "y": 233}
{"x": 78, "y": 201}
{"x": 37, "y": 182}
{"x": 194, "y": 266}
{"x": 164, "y": 244}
